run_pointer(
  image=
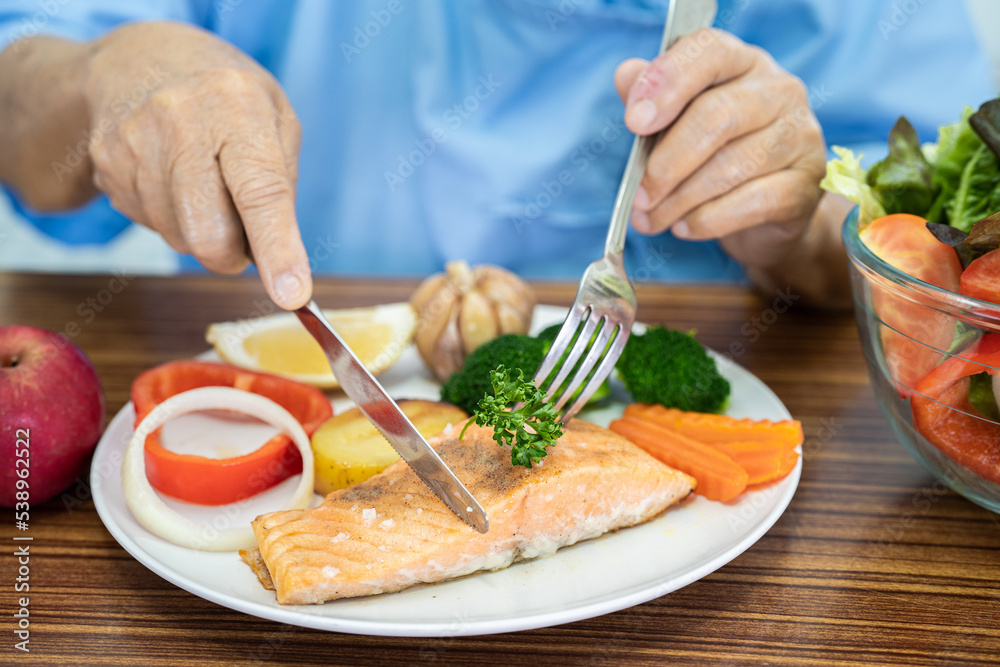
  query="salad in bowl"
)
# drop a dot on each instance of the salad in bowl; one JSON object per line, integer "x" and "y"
{"x": 924, "y": 251}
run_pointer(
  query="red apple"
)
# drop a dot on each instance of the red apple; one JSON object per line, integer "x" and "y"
{"x": 51, "y": 399}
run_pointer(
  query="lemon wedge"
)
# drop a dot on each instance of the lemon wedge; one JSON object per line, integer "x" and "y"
{"x": 279, "y": 343}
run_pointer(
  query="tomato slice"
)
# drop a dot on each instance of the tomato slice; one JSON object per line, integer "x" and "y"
{"x": 943, "y": 414}
{"x": 913, "y": 336}
{"x": 981, "y": 279}
{"x": 207, "y": 481}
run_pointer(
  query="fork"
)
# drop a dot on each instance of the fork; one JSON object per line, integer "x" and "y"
{"x": 601, "y": 317}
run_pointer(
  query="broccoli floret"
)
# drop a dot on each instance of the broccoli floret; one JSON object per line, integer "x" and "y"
{"x": 466, "y": 387}
{"x": 549, "y": 333}
{"x": 672, "y": 368}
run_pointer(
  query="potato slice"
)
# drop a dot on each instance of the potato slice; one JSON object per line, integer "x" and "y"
{"x": 348, "y": 449}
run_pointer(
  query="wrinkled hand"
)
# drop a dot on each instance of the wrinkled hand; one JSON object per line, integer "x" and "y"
{"x": 196, "y": 141}
{"x": 743, "y": 155}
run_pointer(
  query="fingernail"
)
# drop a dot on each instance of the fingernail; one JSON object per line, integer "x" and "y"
{"x": 288, "y": 288}
{"x": 641, "y": 115}
{"x": 641, "y": 200}
{"x": 640, "y": 221}
{"x": 681, "y": 230}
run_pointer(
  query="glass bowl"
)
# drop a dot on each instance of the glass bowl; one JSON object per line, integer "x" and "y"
{"x": 922, "y": 343}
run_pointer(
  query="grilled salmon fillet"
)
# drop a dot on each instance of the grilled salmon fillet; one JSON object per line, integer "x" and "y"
{"x": 391, "y": 531}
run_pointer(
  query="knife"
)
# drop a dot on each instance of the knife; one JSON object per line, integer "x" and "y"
{"x": 382, "y": 411}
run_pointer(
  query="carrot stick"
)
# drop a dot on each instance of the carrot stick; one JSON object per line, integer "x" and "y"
{"x": 763, "y": 462}
{"x": 787, "y": 466}
{"x": 705, "y": 427}
{"x": 718, "y": 476}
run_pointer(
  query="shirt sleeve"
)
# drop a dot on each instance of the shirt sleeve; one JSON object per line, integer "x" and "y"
{"x": 866, "y": 63}
{"x": 84, "y": 20}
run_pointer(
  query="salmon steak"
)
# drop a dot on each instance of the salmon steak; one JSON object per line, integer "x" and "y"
{"x": 390, "y": 531}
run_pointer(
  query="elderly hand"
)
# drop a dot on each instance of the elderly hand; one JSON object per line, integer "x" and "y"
{"x": 196, "y": 141}
{"x": 743, "y": 155}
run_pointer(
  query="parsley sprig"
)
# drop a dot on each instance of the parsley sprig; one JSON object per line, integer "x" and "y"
{"x": 529, "y": 429}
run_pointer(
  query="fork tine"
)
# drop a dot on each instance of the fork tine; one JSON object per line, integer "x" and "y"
{"x": 603, "y": 371}
{"x": 561, "y": 342}
{"x": 579, "y": 347}
{"x": 589, "y": 362}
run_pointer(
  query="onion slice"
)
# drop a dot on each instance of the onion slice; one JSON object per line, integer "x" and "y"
{"x": 161, "y": 520}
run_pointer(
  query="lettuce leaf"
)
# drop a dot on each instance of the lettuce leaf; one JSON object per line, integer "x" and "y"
{"x": 955, "y": 182}
{"x": 978, "y": 195}
{"x": 846, "y": 177}
{"x": 986, "y": 123}
{"x": 981, "y": 396}
{"x": 903, "y": 180}
{"x": 967, "y": 174}
{"x": 984, "y": 235}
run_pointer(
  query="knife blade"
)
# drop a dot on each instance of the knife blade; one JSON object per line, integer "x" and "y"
{"x": 362, "y": 388}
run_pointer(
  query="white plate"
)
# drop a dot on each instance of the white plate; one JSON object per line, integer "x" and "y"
{"x": 588, "y": 579}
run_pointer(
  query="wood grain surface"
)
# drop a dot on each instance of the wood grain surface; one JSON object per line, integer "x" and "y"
{"x": 873, "y": 562}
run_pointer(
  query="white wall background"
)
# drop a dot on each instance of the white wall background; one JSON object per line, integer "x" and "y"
{"x": 139, "y": 251}
{"x": 986, "y": 18}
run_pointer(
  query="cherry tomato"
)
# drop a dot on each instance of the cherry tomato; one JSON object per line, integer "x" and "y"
{"x": 913, "y": 336}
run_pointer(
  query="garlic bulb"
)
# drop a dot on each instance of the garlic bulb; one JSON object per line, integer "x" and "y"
{"x": 459, "y": 310}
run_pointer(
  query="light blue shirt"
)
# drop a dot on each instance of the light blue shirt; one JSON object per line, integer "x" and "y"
{"x": 490, "y": 130}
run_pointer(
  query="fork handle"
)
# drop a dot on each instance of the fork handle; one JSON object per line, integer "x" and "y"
{"x": 634, "y": 170}
{"x": 683, "y": 16}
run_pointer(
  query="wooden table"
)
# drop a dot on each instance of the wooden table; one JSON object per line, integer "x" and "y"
{"x": 871, "y": 563}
